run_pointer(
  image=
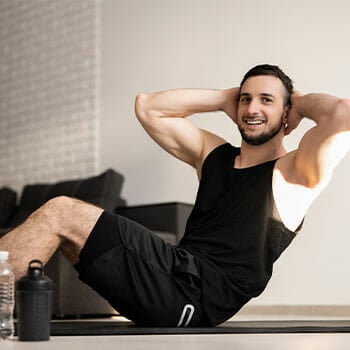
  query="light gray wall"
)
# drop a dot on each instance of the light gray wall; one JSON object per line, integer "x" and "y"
{"x": 48, "y": 90}
{"x": 161, "y": 44}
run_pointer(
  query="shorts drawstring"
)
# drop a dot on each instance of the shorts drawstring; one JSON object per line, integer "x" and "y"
{"x": 188, "y": 309}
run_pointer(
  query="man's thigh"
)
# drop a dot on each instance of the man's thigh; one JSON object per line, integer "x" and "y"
{"x": 140, "y": 275}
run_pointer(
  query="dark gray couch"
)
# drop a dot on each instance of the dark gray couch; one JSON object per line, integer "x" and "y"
{"x": 72, "y": 298}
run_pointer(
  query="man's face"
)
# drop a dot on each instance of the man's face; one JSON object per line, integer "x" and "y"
{"x": 261, "y": 111}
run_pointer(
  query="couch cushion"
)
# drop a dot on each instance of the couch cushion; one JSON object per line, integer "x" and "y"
{"x": 33, "y": 196}
{"x": 102, "y": 190}
{"x": 8, "y": 199}
{"x": 64, "y": 188}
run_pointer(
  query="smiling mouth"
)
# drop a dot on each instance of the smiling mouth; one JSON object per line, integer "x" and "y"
{"x": 253, "y": 121}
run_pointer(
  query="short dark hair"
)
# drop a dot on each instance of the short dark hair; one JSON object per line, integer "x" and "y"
{"x": 268, "y": 69}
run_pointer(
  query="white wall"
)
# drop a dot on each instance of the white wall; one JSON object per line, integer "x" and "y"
{"x": 161, "y": 44}
{"x": 48, "y": 91}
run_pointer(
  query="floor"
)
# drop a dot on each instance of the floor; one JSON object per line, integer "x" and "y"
{"x": 193, "y": 342}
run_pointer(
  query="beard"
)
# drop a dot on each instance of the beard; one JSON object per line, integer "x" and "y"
{"x": 263, "y": 137}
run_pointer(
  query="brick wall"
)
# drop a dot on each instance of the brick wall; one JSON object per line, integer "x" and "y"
{"x": 49, "y": 90}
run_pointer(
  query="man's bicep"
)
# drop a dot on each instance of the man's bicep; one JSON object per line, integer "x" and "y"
{"x": 319, "y": 152}
{"x": 178, "y": 136}
{"x": 183, "y": 139}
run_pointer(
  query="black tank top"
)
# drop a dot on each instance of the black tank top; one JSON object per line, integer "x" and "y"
{"x": 234, "y": 232}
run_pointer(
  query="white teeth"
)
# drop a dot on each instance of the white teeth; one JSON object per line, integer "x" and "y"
{"x": 254, "y": 122}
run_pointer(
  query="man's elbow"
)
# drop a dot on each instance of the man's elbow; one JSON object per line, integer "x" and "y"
{"x": 344, "y": 112}
{"x": 346, "y": 101}
{"x": 141, "y": 106}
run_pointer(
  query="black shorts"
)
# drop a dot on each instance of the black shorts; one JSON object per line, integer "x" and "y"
{"x": 147, "y": 280}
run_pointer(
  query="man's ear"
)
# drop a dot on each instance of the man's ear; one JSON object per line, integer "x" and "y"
{"x": 285, "y": 113}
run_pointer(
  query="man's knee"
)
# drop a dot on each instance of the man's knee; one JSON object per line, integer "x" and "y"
{"x": 59, "y": 203}
{"x": 71, "y": 217}
{"x": 58, "y": 206}
{"x": 56, "y": 212}
{"x": 64, "y": 205}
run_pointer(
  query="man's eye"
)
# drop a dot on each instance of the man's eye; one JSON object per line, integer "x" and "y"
{"x": 244, "y": 100}
{"x": 266, "y": 100}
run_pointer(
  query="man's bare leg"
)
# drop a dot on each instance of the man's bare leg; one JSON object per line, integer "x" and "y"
{"x": 61, "y": 222}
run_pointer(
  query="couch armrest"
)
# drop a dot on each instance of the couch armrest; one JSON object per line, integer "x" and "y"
{"x": 8, "y": 198}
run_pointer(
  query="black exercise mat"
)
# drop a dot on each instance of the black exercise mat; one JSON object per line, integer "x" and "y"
{"x": 60, "y": 328}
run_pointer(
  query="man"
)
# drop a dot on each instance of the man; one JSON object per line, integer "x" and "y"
{"x": 241, "y": 221}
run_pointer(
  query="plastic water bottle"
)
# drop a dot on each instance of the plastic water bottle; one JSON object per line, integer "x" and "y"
{"x": 7, "y": 282}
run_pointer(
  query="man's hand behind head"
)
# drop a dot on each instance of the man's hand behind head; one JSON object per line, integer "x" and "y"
{"x": 231, "y": 103}
{"x": 294, "y": 117}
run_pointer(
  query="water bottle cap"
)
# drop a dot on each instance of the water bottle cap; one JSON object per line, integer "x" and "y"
{"x": 4, "y": 255}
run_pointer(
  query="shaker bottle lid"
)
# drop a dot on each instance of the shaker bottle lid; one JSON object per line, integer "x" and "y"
{"x": 35, "y": 278}
{"x": 4, "y": 255}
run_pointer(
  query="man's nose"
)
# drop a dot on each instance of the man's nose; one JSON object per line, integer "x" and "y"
{"x": 253, "y": 107}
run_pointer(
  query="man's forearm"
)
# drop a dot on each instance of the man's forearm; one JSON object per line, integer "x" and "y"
{"x": 316, "y": 106}
{"x": 185, "y": 102}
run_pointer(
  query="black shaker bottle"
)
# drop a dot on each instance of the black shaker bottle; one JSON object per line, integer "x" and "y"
{"x": 34, "y": 304}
